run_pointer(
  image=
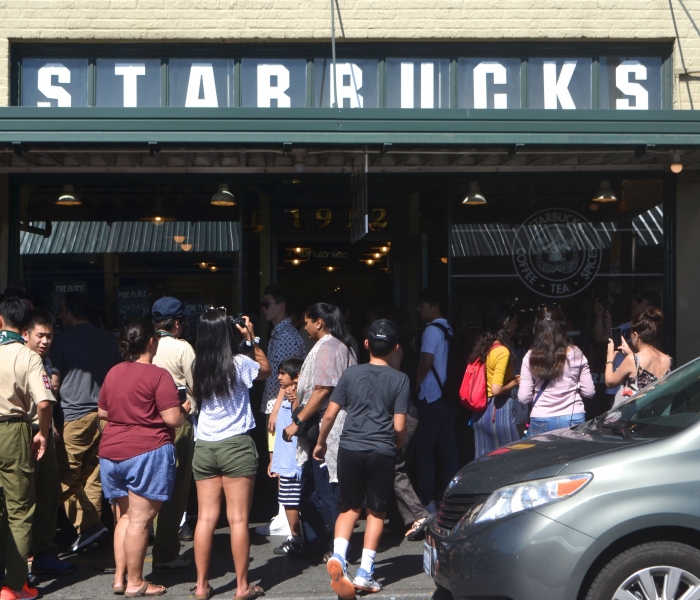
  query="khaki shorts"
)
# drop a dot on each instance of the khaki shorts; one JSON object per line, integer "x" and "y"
{"x": 236, "y": 456}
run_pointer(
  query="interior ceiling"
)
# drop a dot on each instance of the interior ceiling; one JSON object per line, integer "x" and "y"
{"x": 334, "y": 160}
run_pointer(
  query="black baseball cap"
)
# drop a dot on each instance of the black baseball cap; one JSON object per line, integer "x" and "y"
{"x": 168, "y": 308}
{"x": 383, "y": 335}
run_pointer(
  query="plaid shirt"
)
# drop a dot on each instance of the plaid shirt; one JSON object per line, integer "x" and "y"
{"x": 285, "y": 342}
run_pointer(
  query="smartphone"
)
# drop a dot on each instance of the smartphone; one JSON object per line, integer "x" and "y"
{"x": 182, "y": 393}
{"x": 616, "y": 336}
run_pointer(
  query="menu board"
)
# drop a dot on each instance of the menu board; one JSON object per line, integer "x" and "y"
{"x": 61, "y": 288}
{"x": 132, "y": 302}
{"x": 196, "y": 308}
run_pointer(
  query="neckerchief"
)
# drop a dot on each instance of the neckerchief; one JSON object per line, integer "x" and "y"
{"x": 10, "y": 337}
{"x": 162, "y": 334}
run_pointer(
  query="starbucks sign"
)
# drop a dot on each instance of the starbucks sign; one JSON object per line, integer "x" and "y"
{"x": 557, "y": 253}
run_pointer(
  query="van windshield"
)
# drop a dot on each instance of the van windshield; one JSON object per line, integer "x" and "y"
{"x": 661, "y": 410}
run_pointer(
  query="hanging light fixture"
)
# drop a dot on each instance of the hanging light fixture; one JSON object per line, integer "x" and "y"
{"x": 68, "y": 197}
{"x": 203, "y": 265}
{"x": 223, "y": 197}
{"x": 213, "y": 268}
{"x": 604, "y": 193}
{"x": 178, "y": 239}
{"x": 474, "y": 197}
{"x": 158, "y": 217}
{"x": 676, "y": 165}
{"x": 296, "y": 262}
{"x": 370, "y": 262}
{"x": 186, "y": 247}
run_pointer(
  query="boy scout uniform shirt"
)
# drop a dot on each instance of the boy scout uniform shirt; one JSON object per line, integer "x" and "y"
{"x": 23, "y": 382}
{"x": 177, "y": 358}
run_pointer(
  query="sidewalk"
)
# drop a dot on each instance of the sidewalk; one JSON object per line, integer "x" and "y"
{"x": 399, "y": 567}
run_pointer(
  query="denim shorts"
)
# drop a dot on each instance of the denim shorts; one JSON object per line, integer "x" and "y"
{"x": 150, "y": 475}
{"x": 540, "y": 425}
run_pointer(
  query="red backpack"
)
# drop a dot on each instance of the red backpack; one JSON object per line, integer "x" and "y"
{"x": 473, "y": 392}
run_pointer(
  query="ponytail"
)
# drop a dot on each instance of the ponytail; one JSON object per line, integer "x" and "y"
{"x": 333, "y": 320}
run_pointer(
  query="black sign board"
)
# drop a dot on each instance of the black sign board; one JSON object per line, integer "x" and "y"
{"x": 133, "y": 302}
{"x": 61, "y": 288}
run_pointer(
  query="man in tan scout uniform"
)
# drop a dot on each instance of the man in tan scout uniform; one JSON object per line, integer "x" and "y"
{"x": 177, "y": 357}
{"x": 25, "y": 388}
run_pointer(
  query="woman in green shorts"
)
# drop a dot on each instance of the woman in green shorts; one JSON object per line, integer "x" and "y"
{"x": 225, "y": 459}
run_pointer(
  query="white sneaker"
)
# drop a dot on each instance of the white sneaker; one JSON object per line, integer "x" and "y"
{"x": 278, "y": 526}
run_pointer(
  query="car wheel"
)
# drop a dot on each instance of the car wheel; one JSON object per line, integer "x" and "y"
{"x": 652, "y": 571}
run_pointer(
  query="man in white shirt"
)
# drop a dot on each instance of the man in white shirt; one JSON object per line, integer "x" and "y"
{"x": 436, "y": 425}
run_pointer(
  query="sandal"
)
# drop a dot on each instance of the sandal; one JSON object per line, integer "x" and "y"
{"x": 142, "y": 592}
{"x": 119, "y": 589}
{"x": 205, "y": 596}
{"x": 254, "y": 591}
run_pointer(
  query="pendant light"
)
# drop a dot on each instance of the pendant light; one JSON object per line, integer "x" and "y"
{"x": 604, "y": 193}
{"x": 474, "y": 197}
{"x": 676, "y": 165}
{"x": 223, "y": 197}
{"x": 68, "y": 197}
{"x": 158, "y": 217}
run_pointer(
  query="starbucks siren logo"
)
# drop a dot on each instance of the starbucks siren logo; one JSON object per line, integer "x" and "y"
{"x": 557, "y": 253}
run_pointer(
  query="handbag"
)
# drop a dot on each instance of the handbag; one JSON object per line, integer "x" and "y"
{"x": 309, "y": 429}
{"x": 629, "y": 388}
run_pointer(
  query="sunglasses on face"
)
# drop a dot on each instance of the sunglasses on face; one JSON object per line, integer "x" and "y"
{"x": 221, "y": 308}
{"x": 267, "y": 303}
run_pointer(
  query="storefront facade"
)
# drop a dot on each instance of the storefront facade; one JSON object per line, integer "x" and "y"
{"x": 143, "y": 124}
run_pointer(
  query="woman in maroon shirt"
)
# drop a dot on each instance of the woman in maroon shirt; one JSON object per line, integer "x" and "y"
{"x": 140, "y": 403}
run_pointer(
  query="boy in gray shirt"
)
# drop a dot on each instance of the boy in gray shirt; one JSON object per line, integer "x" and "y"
{"x": 376, "y": 398}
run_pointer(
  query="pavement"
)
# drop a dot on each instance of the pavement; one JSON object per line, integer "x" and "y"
{"x": 399, "y": 568}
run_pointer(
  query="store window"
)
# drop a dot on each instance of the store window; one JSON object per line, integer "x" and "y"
{"x": 127, "y": 245}
{"x": 417, "y": 83}
{"x": 489, "y": 83}
{"x": 557, "y": 245}
{"x": 274, "y": 83}
{"x": 560, "y": 83}
{"x": 200, "y": 82}
{"x": 628, "y": 83}
{"x": 128, "y": 82}
{"x": 355, "y": 83}
{"x": 54, "y": 82}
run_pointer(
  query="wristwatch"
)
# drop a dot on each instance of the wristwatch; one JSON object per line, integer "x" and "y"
{"x": 255, "y": 340}
{"x": 297, "y": 421}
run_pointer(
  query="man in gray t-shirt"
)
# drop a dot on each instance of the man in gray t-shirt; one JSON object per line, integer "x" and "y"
{"x": 81, "y": 357}
{"x": 376, "y": 398}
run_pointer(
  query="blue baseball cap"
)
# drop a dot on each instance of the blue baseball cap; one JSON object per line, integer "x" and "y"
{"x": 168, "y": 308}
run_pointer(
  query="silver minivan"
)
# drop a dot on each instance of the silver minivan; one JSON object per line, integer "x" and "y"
{"x": 607, "y": 510}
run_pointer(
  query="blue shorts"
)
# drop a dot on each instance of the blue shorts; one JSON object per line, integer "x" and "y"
{"x": 150, "y": 475}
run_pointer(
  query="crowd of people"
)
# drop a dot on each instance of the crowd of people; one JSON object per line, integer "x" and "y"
{"x": 142, "y": 416}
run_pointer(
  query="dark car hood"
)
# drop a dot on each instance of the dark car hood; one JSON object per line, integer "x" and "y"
{"x": 533, "y": 458}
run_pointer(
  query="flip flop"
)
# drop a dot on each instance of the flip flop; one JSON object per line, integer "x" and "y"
{"x": 142, "y": 591}
{"x": 254, "y": 591}
{"x": 205, "y": 596}
{"x": 416, "y": 529}
{"x": 119, "y": 589}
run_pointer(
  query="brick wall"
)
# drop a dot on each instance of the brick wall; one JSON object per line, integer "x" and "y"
{"x": 306, "y": 20}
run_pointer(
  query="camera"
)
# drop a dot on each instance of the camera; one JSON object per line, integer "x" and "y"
{"x": 238, "y": 320}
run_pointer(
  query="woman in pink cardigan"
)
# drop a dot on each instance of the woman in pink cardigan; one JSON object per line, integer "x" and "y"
{"x": 555, "y": 376}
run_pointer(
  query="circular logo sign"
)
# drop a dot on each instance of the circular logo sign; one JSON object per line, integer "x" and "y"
{"x": 557, "y": 253}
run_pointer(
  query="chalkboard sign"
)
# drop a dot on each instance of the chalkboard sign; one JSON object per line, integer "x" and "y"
{"x": 133, "y": 302}
{"x": 61, "y": 288}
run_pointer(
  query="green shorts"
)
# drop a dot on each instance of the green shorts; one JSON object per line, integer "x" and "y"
{"x": 236, "y": 456}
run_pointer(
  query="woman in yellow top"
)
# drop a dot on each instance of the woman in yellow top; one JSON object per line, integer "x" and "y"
{"x": 495, "y": 427}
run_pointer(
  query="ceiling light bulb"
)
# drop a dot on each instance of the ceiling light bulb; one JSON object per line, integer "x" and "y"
{"x": 186, "y": 247}
{"x": 223, "y": 197}
{"x": 605, "y": 193}
{"x": 677, "y": 165}
{"x": 178, "y": 239}
{"x": 330, "y": 269}
{"x": 68, "y": 197}
{"x": 377, "y": 255}
{"x": 213, "y": 268}
{"x": 474, "y": 197}
{"x": 203, "y": 265}
{"x": 297, "y": 250}
{"x": 296, "y": 262}
{"x": 370, "y": 261}
{"x": 385, "y": 249}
